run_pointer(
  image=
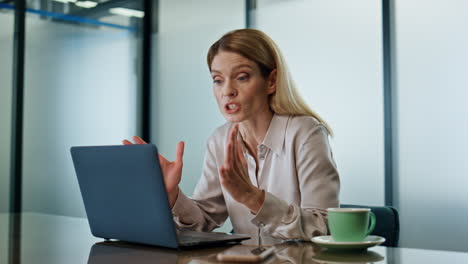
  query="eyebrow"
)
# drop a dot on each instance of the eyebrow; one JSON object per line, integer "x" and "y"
{"x": 235, "y": 68}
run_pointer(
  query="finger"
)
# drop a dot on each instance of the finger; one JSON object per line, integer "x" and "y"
{"x": 233, "y": 135}
{"x": 240, "y": 153}
{"x": 242, "y": 163}
{"x": 224, "y": 176}
{"x": 234, "y": 146}
{"x": 227, "y": 155}
{"x": 236, "y": 149}
{"x": 138, "y": 140}
{"x": 162, "y": 159}
{"x": 180, "y": 152}
{"x": 126, "y": 142}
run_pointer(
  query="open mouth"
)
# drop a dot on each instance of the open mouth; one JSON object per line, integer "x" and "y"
{"x": 231, "y": 108}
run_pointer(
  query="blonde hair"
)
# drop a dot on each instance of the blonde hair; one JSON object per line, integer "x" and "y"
{"x": 260, "y": 48}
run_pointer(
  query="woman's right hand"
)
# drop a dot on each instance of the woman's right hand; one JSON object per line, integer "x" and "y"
{"x": 171, "y": 170}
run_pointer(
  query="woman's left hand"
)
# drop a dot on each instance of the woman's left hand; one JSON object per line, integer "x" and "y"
{"x": 235, "y": 176}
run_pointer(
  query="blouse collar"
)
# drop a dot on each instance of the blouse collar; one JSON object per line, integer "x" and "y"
{"x": 276, "y": 133}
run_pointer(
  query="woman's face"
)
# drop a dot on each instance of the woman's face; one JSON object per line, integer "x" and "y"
{"x": 240, "y": 89}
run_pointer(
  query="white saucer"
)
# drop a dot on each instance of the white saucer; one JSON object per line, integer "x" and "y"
{"x": 328, "y": 242}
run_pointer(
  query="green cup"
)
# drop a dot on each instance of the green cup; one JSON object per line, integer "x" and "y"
{"x": 350, "y": 224}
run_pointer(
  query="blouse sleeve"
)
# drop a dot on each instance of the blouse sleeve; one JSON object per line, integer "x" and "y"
{"x": 206, "y": 210}
{"x": 319, "y": 187}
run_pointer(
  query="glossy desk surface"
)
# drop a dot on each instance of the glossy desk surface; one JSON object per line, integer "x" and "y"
{"x": 42, "y": 238}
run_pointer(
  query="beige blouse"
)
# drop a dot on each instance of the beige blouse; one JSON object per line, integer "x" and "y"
{"x": 296, "y": 170}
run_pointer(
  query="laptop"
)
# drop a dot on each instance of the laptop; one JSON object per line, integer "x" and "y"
{"x": 125, "y": 198}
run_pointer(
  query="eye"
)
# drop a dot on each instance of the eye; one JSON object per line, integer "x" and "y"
{"x": 243, "y": 77}
{"x": 217, "y": 81}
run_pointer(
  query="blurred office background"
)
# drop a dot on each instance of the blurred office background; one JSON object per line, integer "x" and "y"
{"x": 387, "y": 75}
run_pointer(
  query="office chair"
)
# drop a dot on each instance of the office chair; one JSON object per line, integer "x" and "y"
{"x": 387, "y": 224}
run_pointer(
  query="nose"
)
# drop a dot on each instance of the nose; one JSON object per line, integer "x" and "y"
{"x": 229, "y": 90}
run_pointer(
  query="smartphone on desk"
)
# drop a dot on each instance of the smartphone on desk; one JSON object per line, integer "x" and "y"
{"x": 243, "y": 253}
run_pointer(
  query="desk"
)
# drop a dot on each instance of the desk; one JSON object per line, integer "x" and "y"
{"x": 42, "y": 238}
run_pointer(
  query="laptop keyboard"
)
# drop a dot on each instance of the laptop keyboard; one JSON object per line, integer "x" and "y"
{"x": 194, "y": 238}
{"x": 190, "y": 240}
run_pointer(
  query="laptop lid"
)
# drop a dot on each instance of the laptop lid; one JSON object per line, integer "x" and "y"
{"x": 124, "y": 193}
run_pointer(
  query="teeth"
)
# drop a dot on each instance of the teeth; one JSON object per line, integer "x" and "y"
{"x": 231, "y": 106}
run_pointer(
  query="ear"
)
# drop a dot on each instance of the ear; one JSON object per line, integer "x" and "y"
{"x": 271, "y": 89}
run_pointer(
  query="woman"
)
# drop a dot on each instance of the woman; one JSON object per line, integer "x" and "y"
{"x": 270, "y": 167}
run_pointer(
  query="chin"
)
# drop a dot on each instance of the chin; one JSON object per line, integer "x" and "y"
{"x": 234, "y": 118}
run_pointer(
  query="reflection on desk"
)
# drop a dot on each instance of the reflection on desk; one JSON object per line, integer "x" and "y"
{"x": 290, "y": 252}
{"x": 348, "y": 257}
{"x": 117, "y": 252}
{"x": 41, "y": 238}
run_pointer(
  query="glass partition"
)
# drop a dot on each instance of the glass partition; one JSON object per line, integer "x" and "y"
{"x": 80, "y": 89}
{"x": 334, "y": 51}
{"x": 184, "y": 107}
{"x": 431, "y": 146}
{"x": 7, "y": 20}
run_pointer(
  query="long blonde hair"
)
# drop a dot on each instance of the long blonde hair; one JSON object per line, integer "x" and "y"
{"x": 260, "y": 48}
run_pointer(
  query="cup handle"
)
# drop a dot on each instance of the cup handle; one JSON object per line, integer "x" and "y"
{"x": 372, "y": 223}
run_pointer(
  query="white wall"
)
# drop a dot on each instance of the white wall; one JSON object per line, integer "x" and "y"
{"x": 184, "y": 107}
{"x": 80, "y": 89}
{"x": 334, "y": 50}
{"x": 432, "y": 127}
{"x": 6, "y": 65}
